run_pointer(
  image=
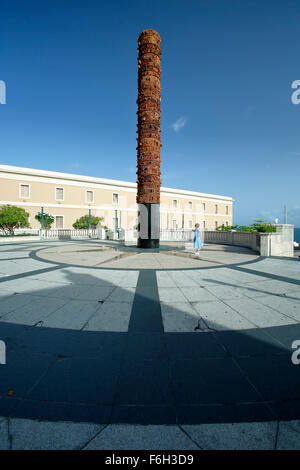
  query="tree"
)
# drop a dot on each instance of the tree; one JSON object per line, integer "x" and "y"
{"x": 83, "y": 222}
{"x": 12, "y": 217}
{"x": 48, "y": 219}
{"x": 263, "y": 226}
{"x": 226, "y": 228}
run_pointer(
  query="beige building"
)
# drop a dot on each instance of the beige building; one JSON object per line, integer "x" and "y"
{"x": 68, "y": 197}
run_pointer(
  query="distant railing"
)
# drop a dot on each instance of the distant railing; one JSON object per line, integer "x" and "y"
{"x": 64, "y": 234}
{"x": 246, "y": 239}
{"x": 176, "y": 235}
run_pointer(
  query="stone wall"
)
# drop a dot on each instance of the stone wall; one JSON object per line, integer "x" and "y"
{"x": 279, "y": 243}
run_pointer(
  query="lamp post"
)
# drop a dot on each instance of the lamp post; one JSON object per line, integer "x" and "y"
{"x": 285, "y": 215}
{"x": 116, "y": 220}
{"x": 90, "y": 222}
{"x": 42, "y": 217}
{"x": 90, "y": 225}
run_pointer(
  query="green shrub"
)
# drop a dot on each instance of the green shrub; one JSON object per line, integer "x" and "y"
{"x": 12, "y": 217}
{"x": 262, "y": 226}
{"x": 48, "y": 219}
{"x": 257, "y": 226}
{"x": 83, "y": 222}
{"x": 227, "y": 227}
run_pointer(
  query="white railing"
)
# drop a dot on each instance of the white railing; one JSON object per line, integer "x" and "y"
{"x": 69, "y": 234}
{"x": 176, "y": 235}
{"x": 246, "y": 239}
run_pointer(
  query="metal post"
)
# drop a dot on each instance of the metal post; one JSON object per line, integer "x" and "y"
{"x": 116, "y": 220}
{"x": 42, "y": 217}
{"x": 285, "y": 215}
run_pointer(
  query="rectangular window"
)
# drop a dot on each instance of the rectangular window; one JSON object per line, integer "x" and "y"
{"x": 203, "y": 223}
{"x": 175, "y": 203}
{"x": 216, "y": 224}
{"x": 190, "y": 224}
{"x": 190, "y": 205}
{"x": 59, "y": 194}
{"x": 59, "y": 221}
{"x": 216, "y": 208}
{"x": 227, "y": 210}
{"x": 25, "y": 190}
{"x": 203, "y": 206}
{"x": 226, "y": 224}
{"x": 115, "y": 198}
{"x": 174, "y": 224}
{"x": 89, "y": 196}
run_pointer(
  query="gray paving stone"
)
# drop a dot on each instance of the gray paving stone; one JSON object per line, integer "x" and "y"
{"x": 111, "y": 316}
{"x": 288, "y": 436}
{"x": 4, "y": 440}
{"x": 130, "y": 280}
{"x": 182, "y": 279}
{"x": 171, "y": 294}
{"x": 13, "y": 302}
{"x": 283, "y": 305}
{"x": 219, "y": 316}
{"x": 197, "y": 294}
{"x": 236, "y": 436}
{"x": 225, "y": 292}
{"x": 164, "y": 279}
{"x": 122, "y": 294}
{"x": 131, "y": 437}
{"x": 260, "y": 315}
{"x": 73, "y": 314}
{"x": 35, "y": 311}
{"x": 181, "y": 317}
{"x": 93, "y": 292}
{"x": 42, "y": 435}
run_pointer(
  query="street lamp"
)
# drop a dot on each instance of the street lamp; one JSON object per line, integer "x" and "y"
{"x": 90, "y": 216}
{"x": 42, "y": 217}
{"x": 116, "y": 220}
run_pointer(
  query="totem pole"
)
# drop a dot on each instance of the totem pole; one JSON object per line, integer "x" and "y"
{"x": 148, "y": 140}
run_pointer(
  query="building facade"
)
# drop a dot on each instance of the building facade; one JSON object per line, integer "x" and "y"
{"x": 67, "y": 197}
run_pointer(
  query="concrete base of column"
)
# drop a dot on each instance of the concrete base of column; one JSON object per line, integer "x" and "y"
{"x": 149, "y": 225}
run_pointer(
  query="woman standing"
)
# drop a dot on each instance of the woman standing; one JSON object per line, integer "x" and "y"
{"x": 197, "y": 240}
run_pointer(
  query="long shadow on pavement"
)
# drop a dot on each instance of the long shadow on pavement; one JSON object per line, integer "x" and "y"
{"x": 143, "y": 375}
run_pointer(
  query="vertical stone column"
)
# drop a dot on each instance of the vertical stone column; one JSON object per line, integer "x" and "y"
{"x": 148, "y": 140}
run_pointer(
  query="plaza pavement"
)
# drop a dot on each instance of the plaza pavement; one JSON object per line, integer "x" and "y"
{"x": 109, "y": 347}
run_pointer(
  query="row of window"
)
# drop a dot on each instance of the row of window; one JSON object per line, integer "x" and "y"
{"x": 203, "y": 206}
{"x": 89, "y": 198}
{"x": 190, "y": 224}
{"x": 59, "y": 194}
{"x": 59, "y": 223}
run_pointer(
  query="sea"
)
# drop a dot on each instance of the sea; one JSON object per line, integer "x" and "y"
{"x": 297, "y": 235}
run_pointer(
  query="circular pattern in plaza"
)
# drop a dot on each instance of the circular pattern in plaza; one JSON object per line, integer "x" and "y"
{"x": 168, "y": 256}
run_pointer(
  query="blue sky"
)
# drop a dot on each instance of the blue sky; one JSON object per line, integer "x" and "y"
{"x": 228, "y": 123}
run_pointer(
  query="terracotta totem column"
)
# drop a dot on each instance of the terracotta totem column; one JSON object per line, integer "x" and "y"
{"x": 148, "y": 140}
